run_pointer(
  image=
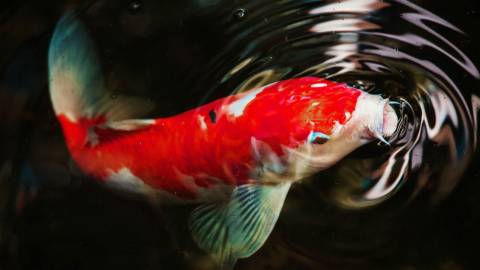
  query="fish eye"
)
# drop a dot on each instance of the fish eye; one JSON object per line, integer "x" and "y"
{"x": 318, "y": 138}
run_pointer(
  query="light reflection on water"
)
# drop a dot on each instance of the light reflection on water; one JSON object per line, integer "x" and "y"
{"x": 393, "y": 48}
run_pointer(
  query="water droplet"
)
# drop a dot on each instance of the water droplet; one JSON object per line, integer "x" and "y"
{"x": 135, "y": 7}
{"x": 239, "y": 13}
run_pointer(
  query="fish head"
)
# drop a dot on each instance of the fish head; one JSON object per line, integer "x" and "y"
{"x": 314, "y": 125}
{"x": 372, "y": 117}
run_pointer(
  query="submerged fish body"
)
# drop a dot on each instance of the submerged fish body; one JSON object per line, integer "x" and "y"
{"x": 237, "y": 155}
{"x": 231, "y": 141}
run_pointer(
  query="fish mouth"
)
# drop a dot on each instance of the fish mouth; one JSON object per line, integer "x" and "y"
{"x": 375, "y": 118}
{"x": 390, "y": 120}
{"x": 385, "y": 122}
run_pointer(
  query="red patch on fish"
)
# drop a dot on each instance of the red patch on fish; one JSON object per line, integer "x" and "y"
{"x": 212, "y": 143}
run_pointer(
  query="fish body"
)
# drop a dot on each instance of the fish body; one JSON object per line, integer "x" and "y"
{"x": 220, "y": 143}
{"x": 238, "y": 155}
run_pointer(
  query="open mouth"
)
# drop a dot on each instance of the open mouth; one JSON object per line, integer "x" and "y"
{"x": 390, "y": 120}
{"x": 384, "y": 126}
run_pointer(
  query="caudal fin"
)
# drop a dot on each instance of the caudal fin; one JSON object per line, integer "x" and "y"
{"x": 77, "y": 88}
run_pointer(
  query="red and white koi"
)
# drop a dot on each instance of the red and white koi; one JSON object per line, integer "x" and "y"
{"x": 237, "y": 155}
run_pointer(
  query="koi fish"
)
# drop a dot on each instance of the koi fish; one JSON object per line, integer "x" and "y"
{"x": 237, "y": 156}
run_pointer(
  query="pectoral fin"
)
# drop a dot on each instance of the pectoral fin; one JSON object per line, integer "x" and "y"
{"x": 239, "y": 227}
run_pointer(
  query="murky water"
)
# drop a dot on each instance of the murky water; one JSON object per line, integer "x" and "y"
{"x": 385, "y": 206}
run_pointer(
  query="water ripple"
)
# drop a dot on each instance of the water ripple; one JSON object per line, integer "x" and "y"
{"x": 393, "y": 48}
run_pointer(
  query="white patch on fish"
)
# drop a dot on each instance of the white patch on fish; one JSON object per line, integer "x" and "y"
{"x": 337, "y": 127}
{"x": 318, "y": 85}
{"x": 237, "y": 107}
{"x": 126, "y": 180}
{"x": 130, "y": 125}
{"x": 201, "y": 121}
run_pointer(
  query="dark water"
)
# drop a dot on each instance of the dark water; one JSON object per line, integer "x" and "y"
{"x": 412, "y": 204}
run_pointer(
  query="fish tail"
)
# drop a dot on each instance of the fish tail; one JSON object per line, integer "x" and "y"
{"x": 77, "y": 89}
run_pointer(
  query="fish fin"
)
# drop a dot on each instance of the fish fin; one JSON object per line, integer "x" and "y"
{"x": 239, "y": 227}
{"x": 77, "y": 87}
{"x": 266, "y": 157}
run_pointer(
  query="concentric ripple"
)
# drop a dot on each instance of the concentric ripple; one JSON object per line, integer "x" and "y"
{"x": 393, "y": 48}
